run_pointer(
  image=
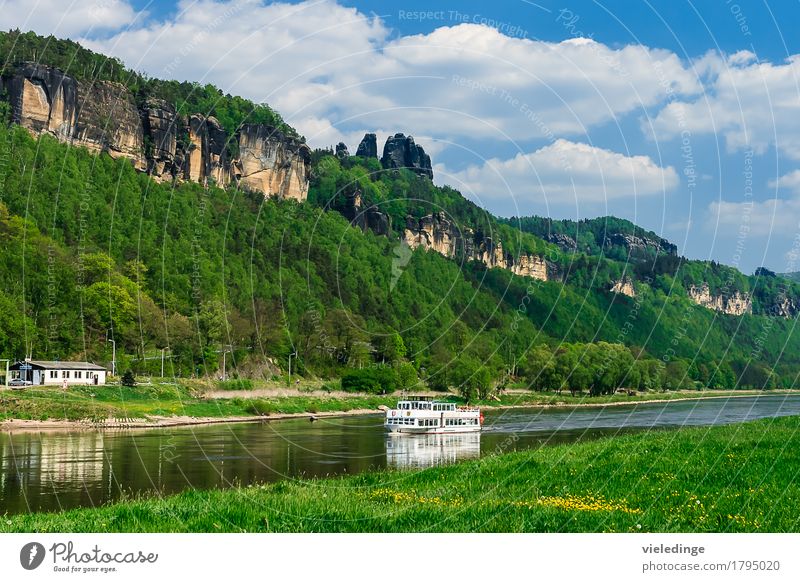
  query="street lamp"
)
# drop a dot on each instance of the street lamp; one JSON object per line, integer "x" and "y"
{"x": 224, "y": 368}
{"x": 162, "y": 359}
{"x": 113, "y": 355}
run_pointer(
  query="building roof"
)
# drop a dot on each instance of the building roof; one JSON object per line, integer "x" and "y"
{"x": 53, "y": 365}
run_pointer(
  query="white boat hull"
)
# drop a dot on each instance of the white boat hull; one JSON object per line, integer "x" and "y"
{"x": 393, "y": 430}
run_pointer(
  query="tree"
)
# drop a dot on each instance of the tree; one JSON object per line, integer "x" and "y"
{"x": 128, "y": 379}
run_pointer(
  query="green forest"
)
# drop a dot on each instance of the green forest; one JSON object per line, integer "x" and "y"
{"x": 95, "y": 251}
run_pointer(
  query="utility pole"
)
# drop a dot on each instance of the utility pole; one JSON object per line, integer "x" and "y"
{"x": 290, "y": 366}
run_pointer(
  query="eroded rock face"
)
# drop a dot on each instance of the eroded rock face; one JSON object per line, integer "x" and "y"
{"x": 341, "y": 151}
{"x": 368, "y": 148}
{"x": 402, "y": 152}
{"x": 735, "y": 304}
{"x": 270, "y": 162}
{"x": 563, "y": 241}
{"x": 108, "y": 121}
{"x": 43, "y": 100}
{"x": 438, "y": 233}
{"x": 624, "y": 287}
{"x": 103, "y": 117}
{"x": 366, "y": 218}
{"x": 161, "y": 124}
{"x": 785, "y": 307}
{"x": 639, "y": 246}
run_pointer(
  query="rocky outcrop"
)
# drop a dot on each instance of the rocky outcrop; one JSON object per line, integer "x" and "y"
{"x": 639, "y": 246}
{"x": 108, "y": 121}
{"x": 161, "y": 125}
{"x": 785, "y": 307}
{"x": 402, "y": 152}
{"x": 43, "y": 100}
{"x": 623, "y": 286}
{"x": 103, "y": 117}
{"x": 273, "y": 163}
{"x": 341, "y": 151}
{"x": 564, "y": 242}
{"x": 734, "y": 304}
{"x": 438, "y": 233}
{"x": 370, "y": 218}
{"x": 368, "y": 148}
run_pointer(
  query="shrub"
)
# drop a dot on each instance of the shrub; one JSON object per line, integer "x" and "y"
{"x": 240, "y": 384}
{"x": 375, "y": 380}
{"x": 128, "y": 379}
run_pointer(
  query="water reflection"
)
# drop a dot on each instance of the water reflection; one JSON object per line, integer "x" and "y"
{"x": 430, "y": 450}
{"x": 59, "y": 470}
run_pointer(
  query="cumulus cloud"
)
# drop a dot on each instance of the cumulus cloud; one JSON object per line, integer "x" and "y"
{"x": 318, "y": 60}
{"x": 566, "y": 172}
{"x": 752, "y": 104}
{"x": 790, "y": 181}
{"x": 78, "y": 17}
{"x": 774, "y": 216}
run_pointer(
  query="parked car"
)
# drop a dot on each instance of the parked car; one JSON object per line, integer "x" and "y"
{"x": 19, "y": 384}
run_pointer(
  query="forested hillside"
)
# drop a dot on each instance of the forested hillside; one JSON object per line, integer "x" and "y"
{"x": 95, "y": 250}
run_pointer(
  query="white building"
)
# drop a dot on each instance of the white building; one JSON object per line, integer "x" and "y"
{"x": 43, "y": 373}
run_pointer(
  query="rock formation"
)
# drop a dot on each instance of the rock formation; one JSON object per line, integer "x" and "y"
{"x": 401, "y": 152}
{"x": 436, "y": 232}
{"x": 637, "y": 245}
{"x": 108, "y": 121}
{"x": 161, "y": 123}
{"x": 624, "y": 286}
{"x": 103, "y": 117}
{"x": 43, "y": 100}
{"x": 368, "y": 148}
{"x": 273, "y": 163}
{"x": 341, "y": 151}
{"x": 565, "y": 242}
{"x": 734, "y": 304}
{"x": 370, "y": 218}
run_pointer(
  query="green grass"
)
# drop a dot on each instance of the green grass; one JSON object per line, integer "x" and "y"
{"x": 737, "y": 478}
{"x": 142, "y": 401}
{"x": 99, "y": 402}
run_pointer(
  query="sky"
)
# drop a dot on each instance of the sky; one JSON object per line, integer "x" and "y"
{"x": 682, "y": 117}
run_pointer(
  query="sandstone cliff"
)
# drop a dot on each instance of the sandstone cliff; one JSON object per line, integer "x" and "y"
{"x": 402, "y": 152}
{"x": 103, "y": 117}
{"x": 436, "y": 232}
{"x": 734, "y": 304}
{"x": 624, "y": 286}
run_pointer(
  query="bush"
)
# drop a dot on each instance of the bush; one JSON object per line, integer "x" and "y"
{"x": 128, "y": 379}
{"x": 377, "y": 380}
{"x": 235, "y": 385}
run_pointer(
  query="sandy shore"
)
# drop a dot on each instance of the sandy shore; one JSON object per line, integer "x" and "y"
{"x": 178, "y": 421}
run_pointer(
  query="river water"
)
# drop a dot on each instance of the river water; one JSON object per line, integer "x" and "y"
{"x": 61, "y": 470}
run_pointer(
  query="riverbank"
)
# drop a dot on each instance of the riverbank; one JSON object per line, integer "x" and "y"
{"x": 169, "y": 405}
{"x": 734, "y": 478}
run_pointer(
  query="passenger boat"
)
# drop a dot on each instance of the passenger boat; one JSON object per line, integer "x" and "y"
{"x": 424, "y": 415}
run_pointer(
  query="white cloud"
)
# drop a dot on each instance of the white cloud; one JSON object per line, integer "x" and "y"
{"x": 790, "y": 181}
{"x": 319, "y": 60}
{"x": 751, "y": 104}
{"x": 774, "y": 216}
{"x": 565, "y": 172}
{"x": 73, "y": 18}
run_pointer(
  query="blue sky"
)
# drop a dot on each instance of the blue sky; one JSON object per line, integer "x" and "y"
{"x": 682, "y": 117}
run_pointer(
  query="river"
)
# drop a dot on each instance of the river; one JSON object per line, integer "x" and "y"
{"x": 46, "y": 471}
